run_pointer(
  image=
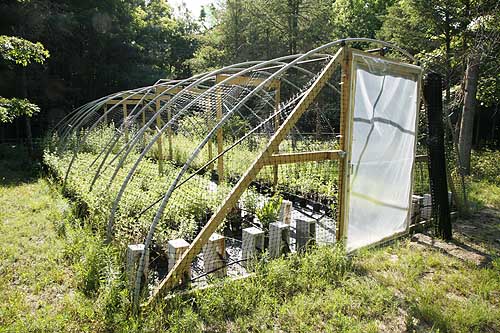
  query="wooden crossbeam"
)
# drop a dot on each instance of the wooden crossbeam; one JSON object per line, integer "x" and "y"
{"x": 313, "y": 156}
{"x": 246, "y": 81}
{"x": 174, "y": 277}
{"x": 176, "y": 90}
{"x": 421, "y": 158}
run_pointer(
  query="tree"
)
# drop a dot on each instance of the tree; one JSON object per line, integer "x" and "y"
{"x": 23, "y": 53}
{"x": 456, "y": 38}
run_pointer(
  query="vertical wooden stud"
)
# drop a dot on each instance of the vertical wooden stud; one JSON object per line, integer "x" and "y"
{"x": 344, "y": 170}
{"x": 276, "y": 126}
{"x": 160, "y": 138}
{"x": 169, "y": 134}
{"x": 220, "y": 138}
{"x": 210, "y": 146}
{"x": 125, "y": 121}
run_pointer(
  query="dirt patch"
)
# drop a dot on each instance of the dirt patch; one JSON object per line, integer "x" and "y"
{"x": 476, "y": 239}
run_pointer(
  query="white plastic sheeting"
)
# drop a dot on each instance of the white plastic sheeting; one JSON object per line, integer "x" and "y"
{"x": 383, "y": 149}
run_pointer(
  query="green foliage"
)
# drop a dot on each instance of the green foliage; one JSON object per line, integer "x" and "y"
{"x": 358, "y": 18}
{"x": 11, "y": 108}
{"x": 21, "y": 51}
{"x": 485, "y": 166}
{"x": 269, "y": 212}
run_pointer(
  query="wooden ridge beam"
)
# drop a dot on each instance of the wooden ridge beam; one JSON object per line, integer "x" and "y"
{"x": 246, "y": 81}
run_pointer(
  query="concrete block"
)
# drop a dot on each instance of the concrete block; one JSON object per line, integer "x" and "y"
{"x": 214, "y": 255}
{"x": 426, "y": 211}
{"x": 134, "y": 253}
{"x": 279, "y": 239}
{"x": 252, "y": 244}
{"x": 416, "y": 207}
{"x": 176, "y": 249}
{"x": 305, "y": 233}
{"x": 285, "y": 215}
{"x": 326, "y": 231}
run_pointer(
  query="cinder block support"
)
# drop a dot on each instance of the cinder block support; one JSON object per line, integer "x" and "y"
{"x": 252, "y": 244}
{"x": 305, "y": 233}
{"x": 176, "y": 248}
{"x": 325, "y": 231}
{"x": 426, "y": 212}
{"x": 214, "y": 255}
{"x": 134, "y": 253}
{"x": 286, "y": 212}
{"x": 416, "y": 208}
{"x": 279, "y": 239}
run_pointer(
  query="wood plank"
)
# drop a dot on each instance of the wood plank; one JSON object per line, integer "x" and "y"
{"x": 246, "y": 81}
{"x": 421, "y": 158}
{"x": 313, "y": 156}
{"x": 276, "y": 127}
{"x": 345, "y": 138}
{"x": 220, "y": 137}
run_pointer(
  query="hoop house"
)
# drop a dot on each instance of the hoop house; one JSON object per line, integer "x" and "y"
{"x": 323, "y": 142}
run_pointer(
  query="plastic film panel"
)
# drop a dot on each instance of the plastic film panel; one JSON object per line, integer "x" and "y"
{"x": 382, "y": 151}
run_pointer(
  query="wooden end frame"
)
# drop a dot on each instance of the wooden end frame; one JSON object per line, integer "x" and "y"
{"x": 175, "y": 275}
{"x": 345, "y": 134}
{"x": 347, "y": 114}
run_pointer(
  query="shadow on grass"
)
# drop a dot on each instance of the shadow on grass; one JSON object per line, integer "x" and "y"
{"x": 17, "y": 166}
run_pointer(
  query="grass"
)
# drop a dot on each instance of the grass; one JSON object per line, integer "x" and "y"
{"x": 404, "y": 287}
{"x": 58, "y": 276}
{"x": 38, "y": 288}
{"x": 55, "y": 276}
{"x": 484, "y": 188}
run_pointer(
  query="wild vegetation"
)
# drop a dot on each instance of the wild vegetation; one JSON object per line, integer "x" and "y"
{"x": 58, "y": 274}
{"x": 404, "y": 286}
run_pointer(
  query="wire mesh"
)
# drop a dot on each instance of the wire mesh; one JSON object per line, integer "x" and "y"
{"x": 154, "y": 165}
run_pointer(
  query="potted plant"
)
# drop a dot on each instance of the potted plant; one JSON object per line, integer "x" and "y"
{"x": 268, "y": 214}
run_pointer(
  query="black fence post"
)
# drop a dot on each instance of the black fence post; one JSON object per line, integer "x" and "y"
{"x": 433, "y": 96}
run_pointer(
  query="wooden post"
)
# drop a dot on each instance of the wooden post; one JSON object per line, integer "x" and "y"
{"x": 345, "y": 132}
{"x": 125, "y": 122}
{"x": 210, "y": 146}
{"x": 220, "y": 138}
{"x": 160, "y": 138}
{"x": 276, "y": 126}
{"x": 106, "y": 114}
{"x": 144, "y": 139}
{"x": 169, "y": 134}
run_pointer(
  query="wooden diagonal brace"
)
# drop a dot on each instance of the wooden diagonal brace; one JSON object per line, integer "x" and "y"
{"x": 175, "y": 275}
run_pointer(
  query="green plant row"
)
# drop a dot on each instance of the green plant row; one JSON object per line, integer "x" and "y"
{"x": 185, "y": 213}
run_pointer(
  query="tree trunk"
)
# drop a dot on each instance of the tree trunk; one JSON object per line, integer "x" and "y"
{"x": 467, "y": 121}
{"x": 24, "y": 94}
{"x": 293, "y": 25}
